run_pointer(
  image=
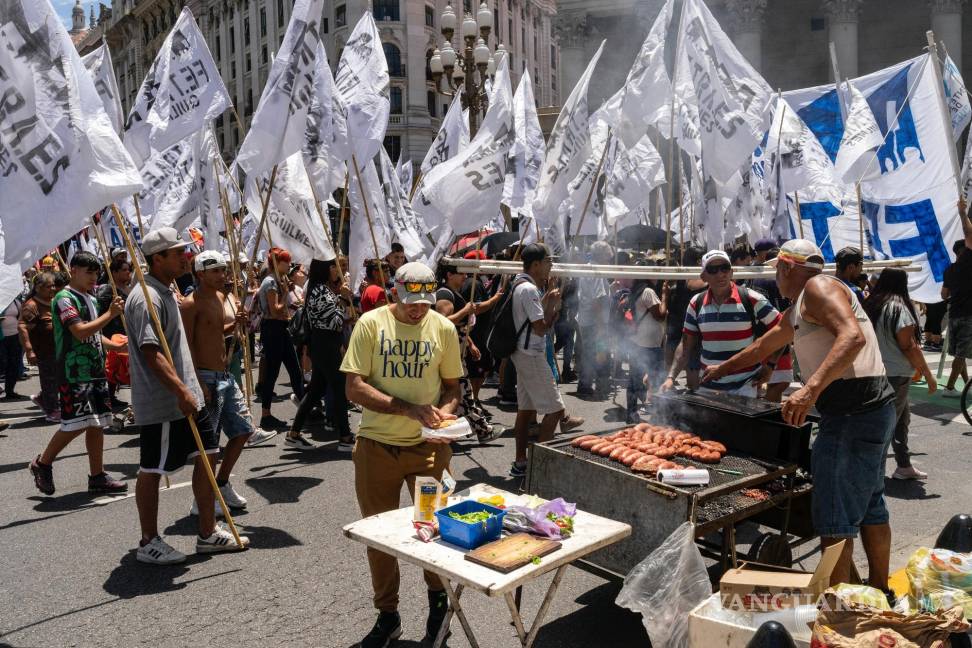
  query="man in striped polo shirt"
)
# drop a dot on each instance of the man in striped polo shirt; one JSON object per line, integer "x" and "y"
{"x": 723, "y": 319}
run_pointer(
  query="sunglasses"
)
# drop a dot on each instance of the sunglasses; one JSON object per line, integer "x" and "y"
{"x": 420, "y": 286}
{"x": 716, "y": 269}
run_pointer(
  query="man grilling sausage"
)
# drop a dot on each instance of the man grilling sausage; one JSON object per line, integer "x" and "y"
{"x": 844, "y": 377}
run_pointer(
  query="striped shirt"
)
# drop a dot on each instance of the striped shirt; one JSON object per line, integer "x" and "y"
{"x": 726, "y": 330}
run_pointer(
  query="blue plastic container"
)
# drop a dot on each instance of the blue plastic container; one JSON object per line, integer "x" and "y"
{"x": 464, "y": 534}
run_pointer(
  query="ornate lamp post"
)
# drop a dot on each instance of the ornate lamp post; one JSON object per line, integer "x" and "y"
{"x": 467, "y": 72}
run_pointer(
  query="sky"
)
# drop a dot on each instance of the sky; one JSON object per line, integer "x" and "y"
{"x": 64, "y": 7}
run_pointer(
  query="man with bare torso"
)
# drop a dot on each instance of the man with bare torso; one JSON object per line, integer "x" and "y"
{"x": 208, "y": 322}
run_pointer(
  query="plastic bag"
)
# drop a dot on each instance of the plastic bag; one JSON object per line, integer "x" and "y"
{"x": 863, "y": 595}
{"x": 666, "y": 586}
{"x": 534, "y": 519}
{"x": 941, "y": 579}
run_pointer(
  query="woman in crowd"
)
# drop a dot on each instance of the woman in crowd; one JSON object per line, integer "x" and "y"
{"x": 325, "y": 301}
{"x": 36, "y": 329}
{"x": 899, "y": 336}
{"x": 11, "y": 352}
{"x": 278, "y": 348}
{"x": 646, "y": 357}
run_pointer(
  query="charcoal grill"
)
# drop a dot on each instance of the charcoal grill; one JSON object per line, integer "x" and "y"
{"x": 766, "y": 453}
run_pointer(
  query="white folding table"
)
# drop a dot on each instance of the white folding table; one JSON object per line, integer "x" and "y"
{"x": 392, "y": 533}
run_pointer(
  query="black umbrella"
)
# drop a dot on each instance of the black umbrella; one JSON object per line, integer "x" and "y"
{"x": 499, "y": 241}
{"x": 641, "y": 237}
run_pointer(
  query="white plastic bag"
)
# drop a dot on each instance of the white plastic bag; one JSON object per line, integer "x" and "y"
{"x": 666, "y": 586}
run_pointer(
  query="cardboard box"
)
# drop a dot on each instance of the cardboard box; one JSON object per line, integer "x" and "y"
{"x": 709, "y": 629}
{"x": 757, "y": 587}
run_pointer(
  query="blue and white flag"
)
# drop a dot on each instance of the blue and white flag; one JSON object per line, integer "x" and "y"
{"x": 957, "y": 97}
{"x": 910, "y": 207}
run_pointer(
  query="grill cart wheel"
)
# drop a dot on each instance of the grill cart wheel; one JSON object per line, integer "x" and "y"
{"x": 771, "y": 549}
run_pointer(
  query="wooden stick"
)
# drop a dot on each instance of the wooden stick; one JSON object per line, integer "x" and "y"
{"x": 371, "y": 228}
{"x": 590, "y": 192}
{"x": 796, "y": 199}
{"x": 860, "y": 217}
{"x": 415, "y": 186}
{"x": 164, "y": 345}
{"x": 138, "y": 215}
{"x": 107, "y": 254}
{"x": 343, "y": 215}
{"x": 263, "y": 217}
{"x": 671, "y": 185}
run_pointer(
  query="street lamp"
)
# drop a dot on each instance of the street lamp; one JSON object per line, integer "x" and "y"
{"x": 466, "y": 72}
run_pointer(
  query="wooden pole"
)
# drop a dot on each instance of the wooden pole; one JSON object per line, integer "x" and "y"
{"x": 107, "y": 254}
{"x": 671, "y": 183}
{"x": 343, "y": 215}
{"x": 164, "y": 345}
{"x": 415, "y": 186}
{"x": 860, "y": 217}
{"x": 138, "y": 216}
{"x": 263, "y": 217}
{"x": 796, "y": 199}
{"x": 590, "y": 192}
{"x": 371, "y": 228}
{"x": 681, "y": 218}
{"x": 943, "y": 106}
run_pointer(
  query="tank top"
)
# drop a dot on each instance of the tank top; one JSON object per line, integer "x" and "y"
{"x": 863, "y": 385}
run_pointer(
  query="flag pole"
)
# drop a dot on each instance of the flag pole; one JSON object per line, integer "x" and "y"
{"x": 415, "y": 186}
{"x": 107, "y": 254}
{"x": 796, "y": 199}
{"x": 343, "y": 214}
{"x": 943, "y": 106}
{"x": 671, "y": 185}
{"x": 371, "y": 228}
{"x": 263, "y": 217}
{"x": 590, "y": 192}
{"x": 681, "y": 218}
{"x": 138, "y": 215}
{"x": 860, "y": 217}
{"x": 164, "y": 345}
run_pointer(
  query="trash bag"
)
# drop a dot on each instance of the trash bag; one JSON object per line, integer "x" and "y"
{"x": 536, "y": 520}
{"x": 666, "y": 586}
{"x": 941, "y": 578}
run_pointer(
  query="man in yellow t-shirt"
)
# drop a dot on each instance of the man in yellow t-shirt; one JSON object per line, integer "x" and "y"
{"x": 403, "y": 368}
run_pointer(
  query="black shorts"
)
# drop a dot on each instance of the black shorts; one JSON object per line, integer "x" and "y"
{"x": 166, "y": 447}
{"x": 84, "y": 405}
{"x": 479, "y": 368}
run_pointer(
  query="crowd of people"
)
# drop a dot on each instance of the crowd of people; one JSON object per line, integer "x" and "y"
{"x": 413, "y": 346}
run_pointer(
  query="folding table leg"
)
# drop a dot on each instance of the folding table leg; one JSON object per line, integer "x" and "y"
{"x": 515, "y": 615}
{"x": 457, "y": 608}
{"x": 542, "y": 612}
{"x": 447, "y": 621}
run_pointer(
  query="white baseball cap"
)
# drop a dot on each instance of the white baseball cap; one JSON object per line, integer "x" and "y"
{"x": 415, "y": 284}
{"x": 209, "y": 260}
{"x": 160, "y": 240}
{"x": 800, "y": 252}
{"x": 714, "y": 255}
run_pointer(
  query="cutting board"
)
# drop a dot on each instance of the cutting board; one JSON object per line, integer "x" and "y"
{"x": 512, "y": 552}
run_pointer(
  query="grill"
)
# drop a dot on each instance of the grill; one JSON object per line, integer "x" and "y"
{"x": 765, "y": 452}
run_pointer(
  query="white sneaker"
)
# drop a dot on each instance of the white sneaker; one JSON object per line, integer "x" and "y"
{"x": 231, "y": 497}
{"x": 221, "y": 540}
{"x": 295, "y": 400}
{"x": 194, "y": 509}
{"x": 908, "y": 473}
{"x": 951, "y": 393}
{"x": 157, "y": 552}
{"x": 299, "y": 443}
{"x": 259, "y": 437}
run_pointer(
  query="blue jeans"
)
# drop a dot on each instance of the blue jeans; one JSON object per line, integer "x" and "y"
{"x": 643, "y": 361}
{"x": 226, "y": 406}
{"x": 847, "y": 463}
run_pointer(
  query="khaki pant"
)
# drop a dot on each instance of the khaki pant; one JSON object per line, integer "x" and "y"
{"x": 379, "y": 471}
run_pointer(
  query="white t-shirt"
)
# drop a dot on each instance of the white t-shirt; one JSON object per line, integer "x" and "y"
{"x": 649, "y": 332}
{"x": 527, "y": 307}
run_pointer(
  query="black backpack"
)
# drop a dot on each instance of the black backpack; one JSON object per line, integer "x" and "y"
{"x": 299, "y": 327}
{"x": 503, "y": 336}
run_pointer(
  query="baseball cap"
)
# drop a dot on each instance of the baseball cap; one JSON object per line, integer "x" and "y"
{"x": 209, "y": 260}
{"x": 764, "y": 245}
{"x": 119, "y": 252}
{"x": 415, "y": 284}
{"x": 849, "y": 255}
{"x": 714, "y": 255}
{"x": 800, "y": 252}
{"x": 160, "y": 240}
{"x": 476, "y": 254}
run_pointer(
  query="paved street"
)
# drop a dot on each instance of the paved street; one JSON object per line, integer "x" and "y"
{"x": 70, "y": 577}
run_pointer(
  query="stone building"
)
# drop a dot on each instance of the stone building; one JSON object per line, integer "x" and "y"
{"x": 786, "y": 40}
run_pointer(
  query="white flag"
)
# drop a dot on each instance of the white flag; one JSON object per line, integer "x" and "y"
{"x": 634, "y": 174}
{"x": 466, "y": 189}
{"x": 728, "y": 93}
{"x": 403, "y": 169}
{"x": 453, "y": 136}
{"x": 567, "y": 149}
{"x": 60, "y": 158}
{"x": 526, "y": 156}
{"x": 172, "y": 183}
{"x": 291, "y": 214}
{"x": 98, "y": 64}
{"x": 211, "y": 219}
{"x": 181, "y": 93}
{"x": 648, "y": 88}
{"x": 402, "y": 221}
{"x": 957, "y": 97}
{"x": 362, "y": 80}
{"x": 361, "y": 246}
{"x": 862, "y": 137}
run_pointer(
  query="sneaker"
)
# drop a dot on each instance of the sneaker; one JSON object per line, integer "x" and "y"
{"x": 584, "y": 391}
{"x": 299, "y": 443}
{"x": 103, "y": 483}
{"x": 43, "y": 476}
{"x": 568, "y": 377}
{"x": 194, "y": 509}
{"x": 35, "y": 399}
{"x": 259, "y": 437}
{"x": 117, "y": 404}
{"x": 493, "y": 432}
{"x": 951, "y": 392}
{"x": 53, "y": 418}
{"x": 387, "y": 629}
{"x": 231, "y": 497}
{"x": 518, "y": 470}
{"x": 345, "y": 446}
{"x": 909, "y": 473}
{"x": 438, "y": 607}
{"x": 295, "y": 400}
{"x": 157, "y": 552}
{"x": 569, "y": 423}
{"x": 219, "y": 541}
{"x": 271, "y": 422}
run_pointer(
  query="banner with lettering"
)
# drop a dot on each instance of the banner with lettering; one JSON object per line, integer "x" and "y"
{"x": 181, "y": 93}
{"x": 364, "y": 235}
{"x": 526, "y": 155}
{"x": 98, "y": 64}
{"x": 452, "y": 137}
{"x": 404, "y": 170}
{"x": 363, "y": 82}
{"x": 713, "y": 78}
{"x": 648, "y": 88}
{"x": 957, "y": 97}
{"x": 403, "y": 223}
{"x": 60, "y": 158}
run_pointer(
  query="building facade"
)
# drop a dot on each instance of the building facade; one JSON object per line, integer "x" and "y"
{"x": 788, "y": 41}
{"x": 244, "y": 35}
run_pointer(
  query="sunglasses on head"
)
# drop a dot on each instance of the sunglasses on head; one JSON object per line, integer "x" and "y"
{"x": 420, "y": 286}
{"x": 716, "y": 269}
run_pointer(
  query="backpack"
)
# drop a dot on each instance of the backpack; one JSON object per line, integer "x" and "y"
{"x": 759, "y": 329}
{"x": 299, "y": 327}
{"x": 503, "y": 336}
